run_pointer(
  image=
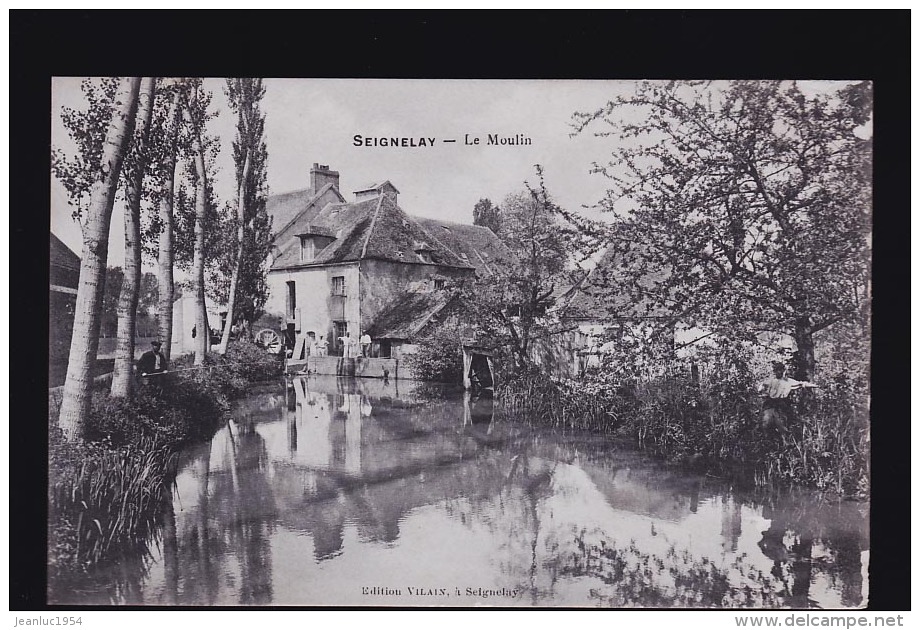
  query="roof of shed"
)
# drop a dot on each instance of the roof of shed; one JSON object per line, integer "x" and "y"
{"x": 61, "y": 255}
{"x": 408, "y": 313}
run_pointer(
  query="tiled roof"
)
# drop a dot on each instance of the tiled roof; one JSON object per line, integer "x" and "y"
{"x": 373, "y": 228}
{"x": 299, "y": 204}
{"x": 408, "y": 313}
{"x": 63, "y": 256}
{"x": 345, "y": 220}
{"x": 474, "y": 244}
{"x": 397, "y": 236}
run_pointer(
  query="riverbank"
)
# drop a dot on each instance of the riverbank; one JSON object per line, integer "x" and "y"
{"x": 106, "y": 492}
{"x": 713, "y": 426}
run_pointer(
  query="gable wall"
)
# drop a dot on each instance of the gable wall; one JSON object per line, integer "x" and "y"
{"x": 382, "y": 280}
{"x": 317, "y": 307}
{"x": 288, "y": 238}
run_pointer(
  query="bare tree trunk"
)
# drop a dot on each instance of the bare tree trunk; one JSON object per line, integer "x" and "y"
{"x": 122, "y": 375}
{"x": 167, "y": 286}
{"x": 235, "y": 275}
{"x": 804, "y": 358}
{"x": 203, "y": 340}
{"x": 85, "y": 342}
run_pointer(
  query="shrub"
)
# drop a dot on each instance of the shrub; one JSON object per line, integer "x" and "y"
{"x": 439, "y": 356}
{"x": 251, "y": 362}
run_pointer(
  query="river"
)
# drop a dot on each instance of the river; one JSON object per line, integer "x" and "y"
{"x": 361, "y": 492}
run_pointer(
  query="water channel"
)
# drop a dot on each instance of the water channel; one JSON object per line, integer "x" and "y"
{"x": 361, "y": 492}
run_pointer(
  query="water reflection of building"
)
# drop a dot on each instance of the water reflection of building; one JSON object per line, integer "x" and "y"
{"x": 352, "y": 457}
{"x": 356, "y": 475}
{"x": 658, "y": 493}
{"x": 325, "y": 429}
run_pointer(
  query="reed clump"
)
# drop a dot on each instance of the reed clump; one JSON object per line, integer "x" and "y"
{"x": 106, "y": 492}
{"x": 713, "y": 423}
{"x": 537, "y": 398}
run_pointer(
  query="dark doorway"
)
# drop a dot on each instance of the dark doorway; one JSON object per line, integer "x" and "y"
{"x": 480, "y": 374}
{"x": 338, "y": 330}
{"x": 291, "y": 299}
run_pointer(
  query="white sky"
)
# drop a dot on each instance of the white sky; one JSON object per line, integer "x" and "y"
{"x": 314, "y": 120}
{"x": 311, "y": 121}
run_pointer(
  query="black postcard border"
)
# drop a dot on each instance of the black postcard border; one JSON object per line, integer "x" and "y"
{"x": 871, "y": 45}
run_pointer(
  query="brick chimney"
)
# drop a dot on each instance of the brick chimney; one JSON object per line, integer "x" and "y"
{"x": 320, "y": 175}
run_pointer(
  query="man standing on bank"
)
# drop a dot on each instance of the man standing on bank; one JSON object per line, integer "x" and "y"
{"x": 345, "y": 342}
{"x": 365, "y": 344}
{"x": 776, "y": 392}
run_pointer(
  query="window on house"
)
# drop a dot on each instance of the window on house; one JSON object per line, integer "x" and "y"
{"x": 439, "y": 283}
{"x": 307, "y": 249}
{"x": 291, "y": 299}
{"x": 338, "y": 285}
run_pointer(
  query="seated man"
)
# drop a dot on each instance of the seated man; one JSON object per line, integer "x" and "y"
{"x": 153, "y": 361}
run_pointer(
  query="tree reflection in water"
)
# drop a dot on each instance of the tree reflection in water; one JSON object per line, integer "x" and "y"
{"x": 224, "y": 530}
{"x": 634, "y": 578}
{"x": 804, "y": 539}
{"x": 349, "y": 473}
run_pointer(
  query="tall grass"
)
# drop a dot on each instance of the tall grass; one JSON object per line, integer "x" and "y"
{"x": 537, "y": 398}
{"x": 715, "y": 425}
{"x": 108, "y": 498}
{"x": 105, "y": 493}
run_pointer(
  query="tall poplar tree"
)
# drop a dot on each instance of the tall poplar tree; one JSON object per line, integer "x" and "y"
{"x": 196, "y": 105}
{"x": 166, "y": 127}
{"x": 249, "y": 156}
{"x": 102, "y": 134}
{"x": 135, "y": 166}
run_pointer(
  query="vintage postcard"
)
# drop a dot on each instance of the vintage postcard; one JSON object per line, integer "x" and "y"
{"x": 459, "y": 343}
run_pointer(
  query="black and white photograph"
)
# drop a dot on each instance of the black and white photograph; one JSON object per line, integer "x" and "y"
{"x": 419, "y": 342}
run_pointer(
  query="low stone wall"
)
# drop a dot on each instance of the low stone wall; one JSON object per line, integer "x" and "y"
{"x": 358, "y": 366}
